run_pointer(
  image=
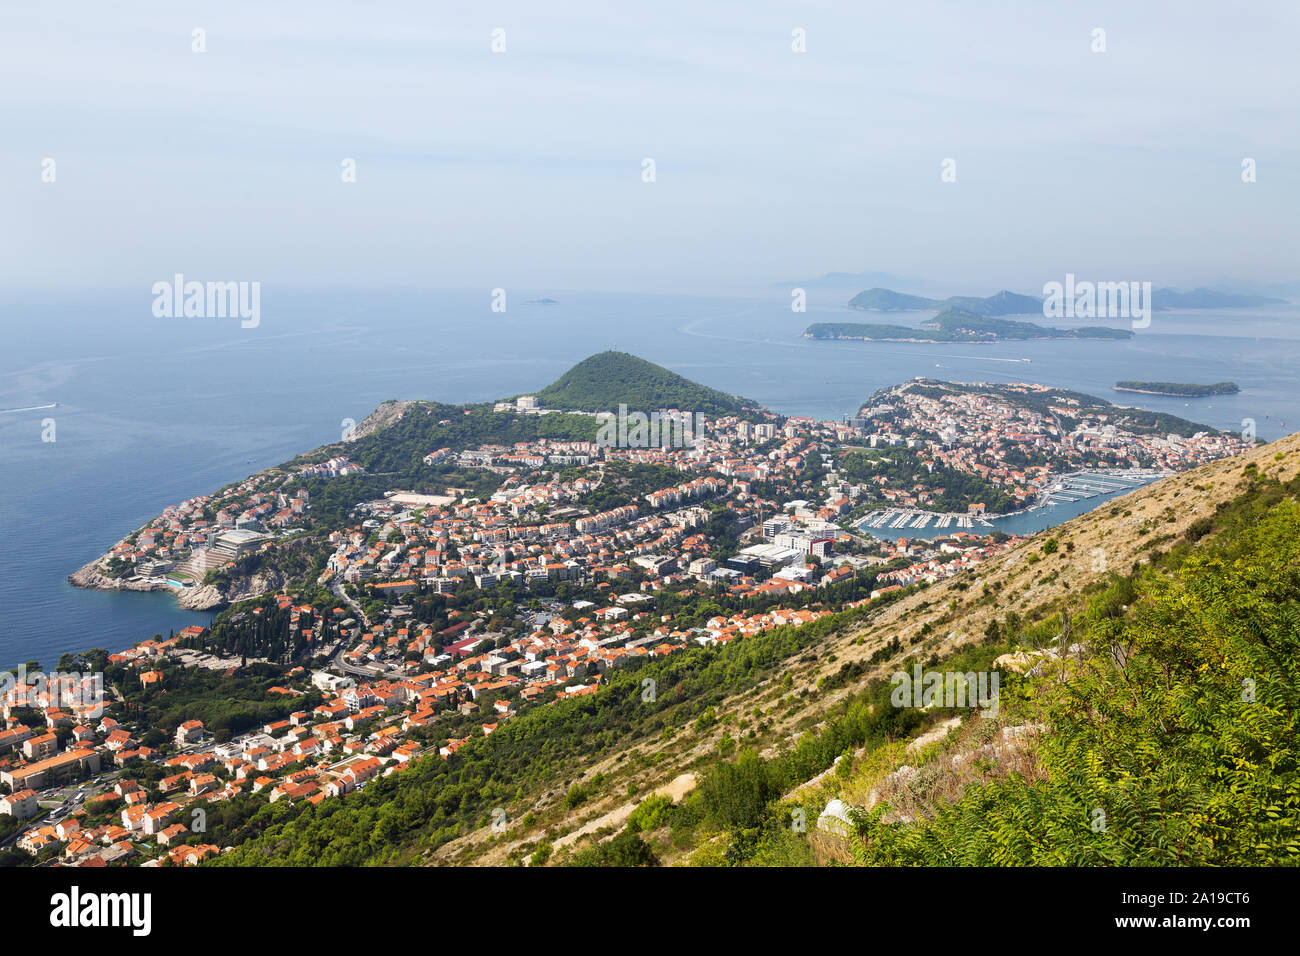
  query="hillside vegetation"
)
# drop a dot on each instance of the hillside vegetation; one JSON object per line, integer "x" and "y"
{"x": 1171, "y": 736}
{"x": 1001, "y": 303}
{"x": 1180, "y": 389}
{"x": 1158, "y": 727}
{"x": 609, "y": 379}
{"x": 887, "y": 300}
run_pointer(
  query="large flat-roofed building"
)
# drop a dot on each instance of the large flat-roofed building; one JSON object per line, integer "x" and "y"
{"x": 769, "y": 555}
{"x": 233, "y": 544}
{"x": 37, "y": 775}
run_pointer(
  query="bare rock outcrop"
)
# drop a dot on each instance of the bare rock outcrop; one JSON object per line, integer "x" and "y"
{"x": 205, "y": 597}
{"x": 92, "y": 576}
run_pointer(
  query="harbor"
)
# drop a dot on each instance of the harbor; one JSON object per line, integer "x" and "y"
{"x": 1082, "y": 485}
{"x": 1065, "y": 497}
{"x": 900, "y": 518}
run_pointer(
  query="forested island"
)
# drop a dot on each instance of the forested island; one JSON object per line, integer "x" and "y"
{"x": 957, "y": 325}
{"x": 1178, "y": 389}
{"x": 1001, "y": 303}
{"x": 1012, "y": 303}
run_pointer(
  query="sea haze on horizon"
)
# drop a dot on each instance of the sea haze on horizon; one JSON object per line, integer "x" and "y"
{"x": 772, "y": 158}
{"x": 153, "y": 411}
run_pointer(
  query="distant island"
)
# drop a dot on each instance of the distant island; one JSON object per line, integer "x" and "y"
{"x": 1178, "y": 389}
{"x": 957, "y": 325}
{"x": 1003, "y": 303}
{"x": 1011, "y": 303}
{"x": 964, "y": 318}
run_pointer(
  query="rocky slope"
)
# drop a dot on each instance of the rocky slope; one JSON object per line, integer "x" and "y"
{"x": 385, "y": 415}
{"x": 207, "y": 596}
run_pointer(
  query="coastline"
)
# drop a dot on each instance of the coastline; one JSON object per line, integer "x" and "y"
{"x": 1147, "y": 391}
{"x": 994, "y": 341}
{"x": 200, "y": 597}
{"x": 864, "y": 338}
{"x": 90, "y": 577}
{"x": 210, "y": 597}
{"x": 1042, "y": 502}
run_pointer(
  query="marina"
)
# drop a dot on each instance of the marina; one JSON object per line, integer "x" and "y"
{"x": 1063, "y": 498}
{"x": 1082, "y": 485}
{"x": 911, "y": 519}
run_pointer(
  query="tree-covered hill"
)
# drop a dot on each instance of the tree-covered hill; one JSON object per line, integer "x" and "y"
{"x": 1001, "y": 303}
{"x": 887, "y": 300}
{"x": 604, "y": 381}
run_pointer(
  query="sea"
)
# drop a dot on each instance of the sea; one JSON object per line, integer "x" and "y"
{"x": 150, "y": 411}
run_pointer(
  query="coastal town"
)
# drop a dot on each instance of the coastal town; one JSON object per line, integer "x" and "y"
{"x": 177, "y": 550}
{"x": 110, "y": 797}
{"x": 533, "y": 526}
{"x": 431, "y": 617}
{"x": 1020, "y": 439}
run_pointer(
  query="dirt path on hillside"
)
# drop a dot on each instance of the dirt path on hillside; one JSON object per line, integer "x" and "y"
{"x": 677, "y": 788}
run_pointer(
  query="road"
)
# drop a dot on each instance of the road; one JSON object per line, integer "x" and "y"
{"x": 366, "y": 672}
{"x": 68, "y": 799}
{"x": 337, "y": 587}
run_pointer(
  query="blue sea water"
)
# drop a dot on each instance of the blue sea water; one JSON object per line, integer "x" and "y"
{"x": 152, "y": 411}
{"x": 1025, "y": 522}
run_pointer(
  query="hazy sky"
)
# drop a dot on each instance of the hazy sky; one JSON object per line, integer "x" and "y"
{"x": 524, "y": 168}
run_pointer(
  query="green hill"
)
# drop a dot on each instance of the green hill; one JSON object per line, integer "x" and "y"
{"x": 609, "y": 379}
{"x": 964, "y": 326}
{"x": 1002, "y": 303}
{"x": 887, "y": 300}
